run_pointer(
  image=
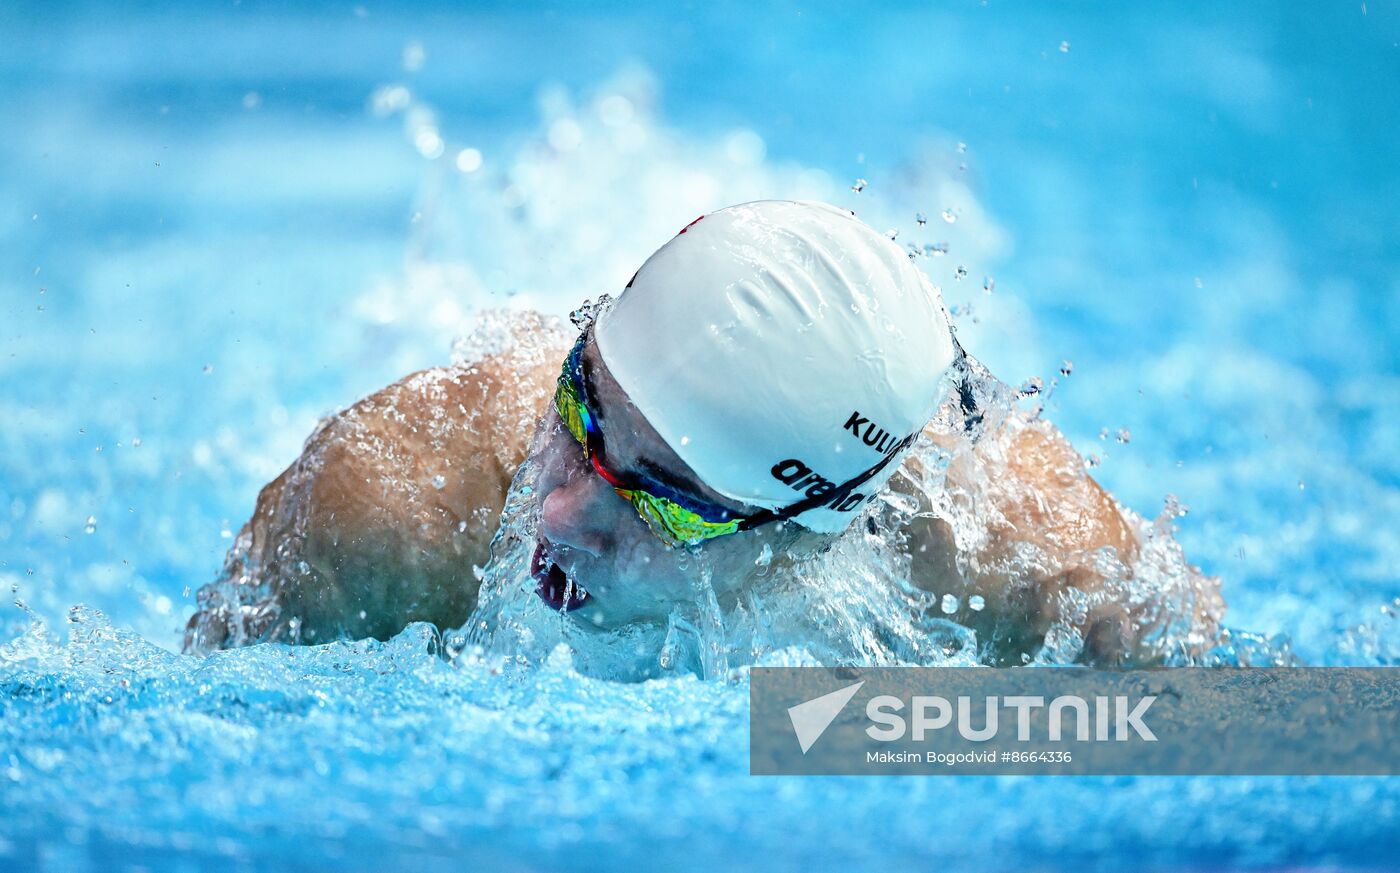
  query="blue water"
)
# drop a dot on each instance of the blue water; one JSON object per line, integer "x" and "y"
{"x": 217, "y": 225}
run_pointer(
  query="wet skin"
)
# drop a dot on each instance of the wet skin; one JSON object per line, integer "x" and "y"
{"x": 356, "y": 538}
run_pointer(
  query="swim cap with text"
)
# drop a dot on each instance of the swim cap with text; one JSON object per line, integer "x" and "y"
{"x": 781, "y": 348}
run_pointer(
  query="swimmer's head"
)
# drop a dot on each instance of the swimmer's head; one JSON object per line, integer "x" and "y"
{"x": 771, "y": 363}
{"x": 781, "y": 349}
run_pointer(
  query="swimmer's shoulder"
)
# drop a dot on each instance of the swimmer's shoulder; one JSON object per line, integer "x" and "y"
{"x": 510, "y": 366}
{"x": 488, "y": 402}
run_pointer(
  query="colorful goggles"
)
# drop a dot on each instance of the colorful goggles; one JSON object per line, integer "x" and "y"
{"x": 675, "y": 519}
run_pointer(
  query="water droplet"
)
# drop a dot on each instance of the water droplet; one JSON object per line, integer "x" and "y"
{"x": 1198, "y": 282}
{"x": 439, "y": 481}
{"x": 91, "y": 526}
{"x": 588, "y": 310}
{"x": 615, "y": 110}
{"x": 936, "y": 250}
{"x": 1064, "y": 47}
{"x": 390, "y": 99}
{"x": 989, "y": 284}
{"x": 1092, "y": 461}
{"x": 428, "y": 142}
{"x": 469, "y": 160}
{"x": 565, "y": 135}
{"x": 950, "y": 216}
{"x": 413, "y": 57}
{"x": 1103, "y": 433}
{"x": 859, "y": 185}
{"x": 136, "y": 442}
{"x": 892, "y": 233}
{"x": 1032, "y": 386}
{"x": 208, "y": 368}
{"x": 949, "y": 604}
{"x": 962, "y": 147}
{"x": 960, "y": 273}
{"x": 461, "y": 527}
{"x": 1301, "y": 486}
{"x": 920, "y": 218}
{"x": 976, "y": 603}
{"x": 1066, "y": 367}
{"x": 1124, "y": 435}
{"x": 765, "y": 557}
{"x": 186, "y": 592}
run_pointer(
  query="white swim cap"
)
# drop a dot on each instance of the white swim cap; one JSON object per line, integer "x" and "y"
{"x": 781, "y": 349}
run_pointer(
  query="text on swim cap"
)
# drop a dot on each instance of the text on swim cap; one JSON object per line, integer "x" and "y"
{"x": 801, "y": 477}
{"x": 877, "y": 438}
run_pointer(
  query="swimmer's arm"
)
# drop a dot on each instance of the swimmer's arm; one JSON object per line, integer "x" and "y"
{"x": 1044, "y": 531}
{"x": 384, "y": 516}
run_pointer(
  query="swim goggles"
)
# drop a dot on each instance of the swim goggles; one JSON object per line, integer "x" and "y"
{"x": 673, "y": 517}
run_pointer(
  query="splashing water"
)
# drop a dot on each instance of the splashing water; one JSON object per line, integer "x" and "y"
{"x": 506, "y": 750}
{"x": 860, "y": 601}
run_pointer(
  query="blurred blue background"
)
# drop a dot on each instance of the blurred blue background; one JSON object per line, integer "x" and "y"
{"x": 219, "y": 222}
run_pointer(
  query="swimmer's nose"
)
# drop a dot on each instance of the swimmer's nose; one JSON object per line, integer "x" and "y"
{"x": 578, "y": 514}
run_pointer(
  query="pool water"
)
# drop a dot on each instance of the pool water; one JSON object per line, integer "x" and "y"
{"x": 220, "y": 225}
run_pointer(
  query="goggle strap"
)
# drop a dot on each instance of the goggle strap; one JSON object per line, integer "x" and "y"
{"x": 604, "y": 474}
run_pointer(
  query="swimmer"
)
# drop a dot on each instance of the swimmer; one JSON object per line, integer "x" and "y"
{"x": 764, "y": 375}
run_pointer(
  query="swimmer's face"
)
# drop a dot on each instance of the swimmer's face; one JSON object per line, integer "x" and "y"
{"x": 596, "y": 540}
